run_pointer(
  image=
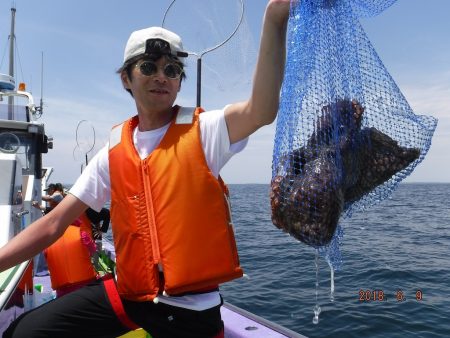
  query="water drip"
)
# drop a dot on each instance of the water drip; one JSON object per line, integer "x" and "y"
{"x": 331, "y": 281}
{"x": 317, "y": 308}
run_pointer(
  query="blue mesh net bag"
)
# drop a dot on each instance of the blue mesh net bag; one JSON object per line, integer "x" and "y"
{"x": 345, "y": 134}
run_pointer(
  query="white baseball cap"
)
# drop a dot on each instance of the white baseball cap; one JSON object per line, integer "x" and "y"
{"x": 137, "y": 43}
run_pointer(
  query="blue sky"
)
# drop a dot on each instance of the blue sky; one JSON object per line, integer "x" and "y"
{"x": 83, "y": 44}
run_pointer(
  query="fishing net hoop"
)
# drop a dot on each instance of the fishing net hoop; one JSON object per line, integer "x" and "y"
{"x": 200, "y": 54}
{"x": 85, "y": 141}
{"x": 220, "y": 44}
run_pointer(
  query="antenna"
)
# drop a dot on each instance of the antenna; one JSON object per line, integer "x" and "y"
{"x": 11, "y": 60}
{"x": 40, "y": 109}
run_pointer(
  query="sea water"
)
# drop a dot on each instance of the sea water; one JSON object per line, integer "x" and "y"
{"x": 395, "y": 277}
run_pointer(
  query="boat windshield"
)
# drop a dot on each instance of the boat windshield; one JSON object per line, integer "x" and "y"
{"x": 14, "y": 112}
{"x": 24, "y": 145}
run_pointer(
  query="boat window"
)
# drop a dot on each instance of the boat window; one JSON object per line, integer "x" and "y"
{"x": 7, "y": 175}
{"x": 14, "y": 112}
{"x": 23, "y": 144}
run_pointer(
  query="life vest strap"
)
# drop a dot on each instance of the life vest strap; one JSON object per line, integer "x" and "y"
{"x": 116, "y": 303}
{"x": 185, "y": 115}
{"x": 115, "y": 136}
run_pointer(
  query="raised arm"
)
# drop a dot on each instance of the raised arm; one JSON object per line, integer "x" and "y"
{"x": 40, "y": 234}
{"x": 244, "y": 118}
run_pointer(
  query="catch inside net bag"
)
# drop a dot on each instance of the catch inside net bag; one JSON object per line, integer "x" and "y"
{"x": 345, "y": 135}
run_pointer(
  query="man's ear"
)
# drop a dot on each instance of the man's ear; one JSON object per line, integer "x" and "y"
{"x": 125, "y": 80}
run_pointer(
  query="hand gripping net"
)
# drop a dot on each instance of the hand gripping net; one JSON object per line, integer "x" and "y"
{"x": 345, "y": 134}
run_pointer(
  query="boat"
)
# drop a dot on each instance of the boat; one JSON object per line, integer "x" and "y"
{"x": 22, "y": 179}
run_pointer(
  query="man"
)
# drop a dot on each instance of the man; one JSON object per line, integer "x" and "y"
{"x": 149, "y": 160}
{"x": 53, "y": 197}
{"x": 51, "y": 188}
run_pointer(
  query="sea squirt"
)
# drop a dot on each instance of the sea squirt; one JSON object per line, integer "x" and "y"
{"x": 340, "y": 163}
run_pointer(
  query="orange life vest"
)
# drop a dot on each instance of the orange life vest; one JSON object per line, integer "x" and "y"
{"x": 169, "y": 210}
{"x": 68, "y": 259}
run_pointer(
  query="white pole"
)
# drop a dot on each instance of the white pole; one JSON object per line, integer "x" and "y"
{"x": 11, "y": 61}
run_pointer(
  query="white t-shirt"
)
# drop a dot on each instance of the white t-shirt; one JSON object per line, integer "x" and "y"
{"x": 93, "y": 187}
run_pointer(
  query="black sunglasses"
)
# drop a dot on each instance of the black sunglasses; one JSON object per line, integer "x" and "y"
{"x": 171, "y": 70}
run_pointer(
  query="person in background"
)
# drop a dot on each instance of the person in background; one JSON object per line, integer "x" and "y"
{"x": 55, "y": 194}
{"x": 166, "y": 208}
{"x": 59, "y": 188}
{"x": 51, "y": 203}
{"x": 51, "y": 188}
